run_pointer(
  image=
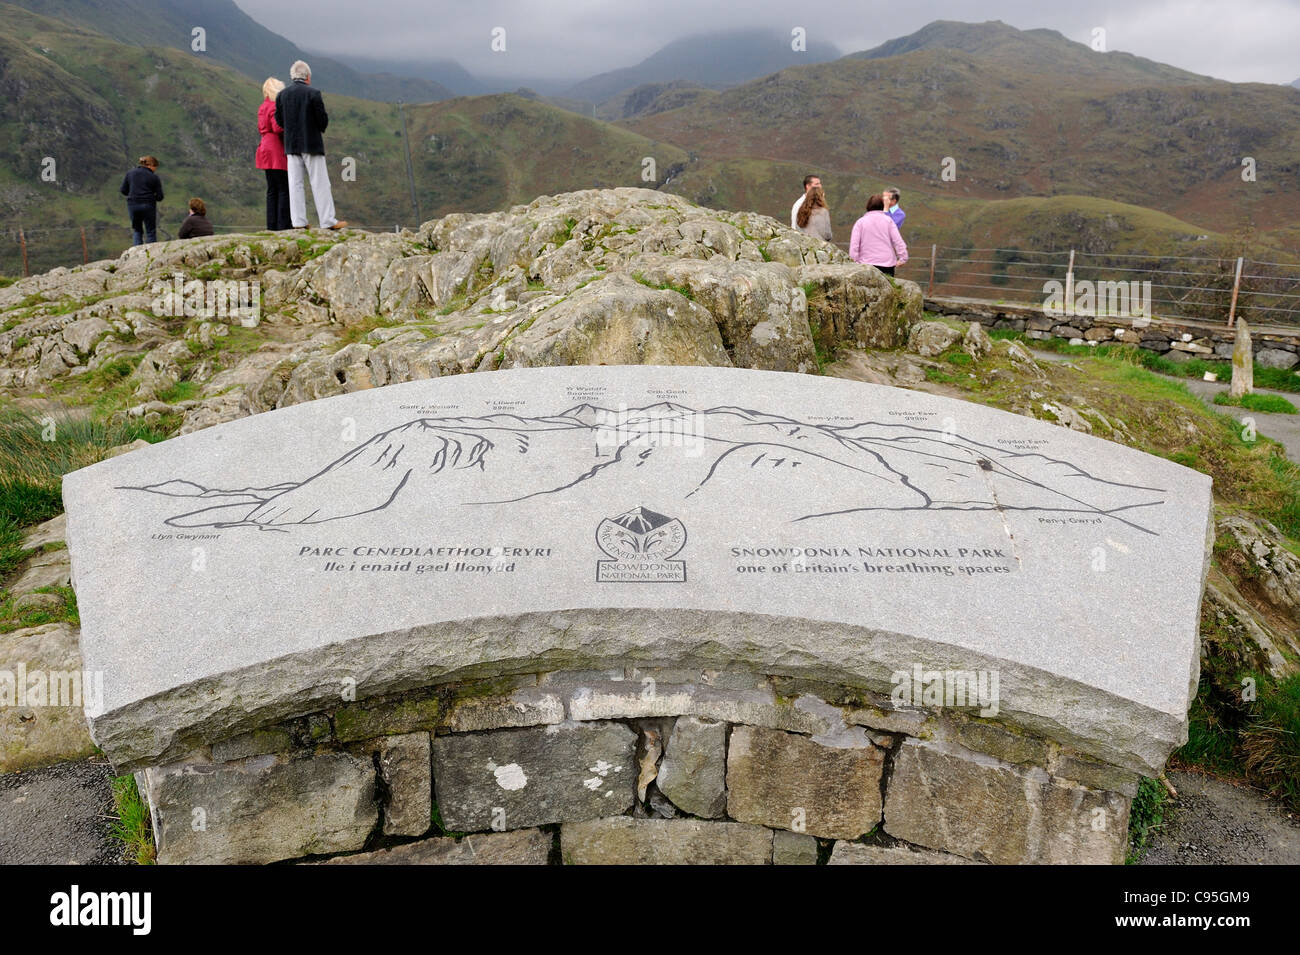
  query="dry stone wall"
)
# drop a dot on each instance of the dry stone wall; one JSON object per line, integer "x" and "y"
{"x": 515, "y": 771}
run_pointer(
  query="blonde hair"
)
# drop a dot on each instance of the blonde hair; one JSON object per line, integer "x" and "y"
{"x": 271, "y": 87}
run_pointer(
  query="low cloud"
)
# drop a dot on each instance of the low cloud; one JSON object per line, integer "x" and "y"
{"x": 1227, "y": 39}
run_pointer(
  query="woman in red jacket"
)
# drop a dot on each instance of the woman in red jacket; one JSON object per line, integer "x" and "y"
{"x": 270, "y": 156}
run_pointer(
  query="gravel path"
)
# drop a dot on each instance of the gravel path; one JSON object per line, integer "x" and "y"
{"x": 1216, "y": 822}
{"x": 58, "y": 816}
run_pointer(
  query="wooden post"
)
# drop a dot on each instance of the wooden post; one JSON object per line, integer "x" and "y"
{"x": 1069, "y": 285}
{"x": 22, "y": 241}
{"x": 85, "y": 253}
{"x": 933, "y": 250}
{"x": 1236, "y": 287}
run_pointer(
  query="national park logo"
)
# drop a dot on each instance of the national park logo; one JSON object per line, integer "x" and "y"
{"x": 640, "y": 545}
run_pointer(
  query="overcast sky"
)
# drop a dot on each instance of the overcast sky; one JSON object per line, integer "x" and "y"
{"x": 1240, "y": 40}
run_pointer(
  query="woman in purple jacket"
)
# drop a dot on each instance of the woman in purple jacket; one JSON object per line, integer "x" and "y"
{"x": 876, "y": 240}
{"x": 270, "y": 156}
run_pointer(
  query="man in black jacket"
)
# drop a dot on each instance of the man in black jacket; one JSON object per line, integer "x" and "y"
{"x": 300, "y": 110}
{"x": 143, "y": 191}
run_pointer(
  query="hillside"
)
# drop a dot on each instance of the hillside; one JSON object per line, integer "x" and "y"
{"x": 714, "y": 60}
{"x": 1041, "y": 51}
{"x": 232, "y": 38}
{"x": 95, "y": 104}
{"x": 1016, "y": 124}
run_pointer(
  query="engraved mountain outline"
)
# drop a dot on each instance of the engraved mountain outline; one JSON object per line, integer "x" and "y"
{"x": 499, "y": 460}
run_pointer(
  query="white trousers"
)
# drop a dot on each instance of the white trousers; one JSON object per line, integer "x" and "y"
{"x": 304, "y": 166}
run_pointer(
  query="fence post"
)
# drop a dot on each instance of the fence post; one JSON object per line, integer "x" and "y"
{"x": 930, "y": 290}
{"x": 1069, "y": 285}
{"x": 85, "y": 253}
{"x": 1236, "y": 287}
{"x": 22, "y": 241}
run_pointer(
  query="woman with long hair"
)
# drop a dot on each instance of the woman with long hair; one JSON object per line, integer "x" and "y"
{"x": 876, "y": 240}
{"x": 271, "y": 158}
{"x": 814, "y": 216}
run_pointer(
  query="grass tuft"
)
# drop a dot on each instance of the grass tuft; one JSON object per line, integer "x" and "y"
{"x": 1270, "y": 404}
{"x": 132, "y": 826}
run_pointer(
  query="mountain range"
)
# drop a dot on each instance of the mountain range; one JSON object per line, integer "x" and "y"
{"x": 792, "y": 469}
{"x": 230, "y": 37}
{"x": 1052, "y": 145}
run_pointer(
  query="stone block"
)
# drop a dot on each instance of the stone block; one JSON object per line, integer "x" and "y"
{"x": 271, "y": 739}
{"x": 261, "y": 809}
{"x": 1276, "y": 358}
{"x": 528, "y": 706}
{"x": 793, "y": 848}
{"x": 787, "y": 781}
{"x": 406, "y": 769}
{"x": 625, "y": 841}
{"x": 515, "y": 778}
{"x": 944, "y": 797}
{"x": 634, "y": 700}
{"x": 1095, "y": 775}
{"x": 371, "y": 719}
{"x": 693, "y": 773}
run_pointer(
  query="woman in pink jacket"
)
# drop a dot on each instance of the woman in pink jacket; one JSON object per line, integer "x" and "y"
{"x": 876, "y": 240}
{"x": 270, "y": 156}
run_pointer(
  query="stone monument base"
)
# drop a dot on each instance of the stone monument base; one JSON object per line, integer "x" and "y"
{"x": 651, "y": 765}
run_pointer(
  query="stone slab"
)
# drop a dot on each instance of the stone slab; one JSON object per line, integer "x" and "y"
{"x": 590, "y": 517}
{"x": 622, "y": 840}
{"x": 44, "y": 693}
{"x": 515, "y": 778}
{"x": 855, "y": 853}
{"x": 518, "y": 847}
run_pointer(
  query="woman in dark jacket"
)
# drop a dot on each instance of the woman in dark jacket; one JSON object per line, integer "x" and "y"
{"x": 196, "y": 223}
{"x": 271, "y": 158}
{"x": 143, "y": 191}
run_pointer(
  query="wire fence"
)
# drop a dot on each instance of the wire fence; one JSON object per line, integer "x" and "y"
{"x": 1206, "y": 288}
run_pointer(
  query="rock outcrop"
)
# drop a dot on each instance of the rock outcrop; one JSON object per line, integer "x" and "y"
{"x": 621, "y": 276}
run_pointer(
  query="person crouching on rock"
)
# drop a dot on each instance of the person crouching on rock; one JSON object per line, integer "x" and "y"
{"x": 143, "y": 190}
{"x": 876, "y": 240}
{"x": 196, "y": 224}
